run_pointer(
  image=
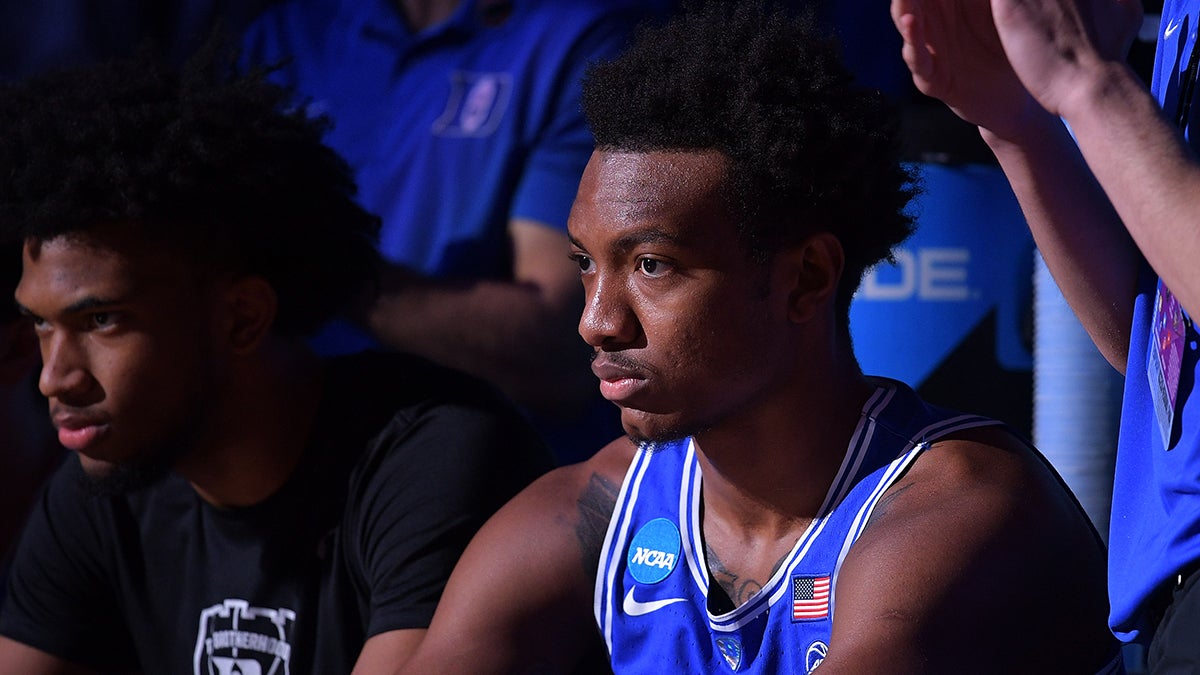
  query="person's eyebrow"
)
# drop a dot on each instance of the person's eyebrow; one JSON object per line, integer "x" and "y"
{"x": 89, "y": 303}
{"x": 84, "y": 304}
{"x": 628, "y": 242}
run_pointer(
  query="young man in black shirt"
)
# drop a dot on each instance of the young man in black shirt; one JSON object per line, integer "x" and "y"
{"x": 234, "y": 504}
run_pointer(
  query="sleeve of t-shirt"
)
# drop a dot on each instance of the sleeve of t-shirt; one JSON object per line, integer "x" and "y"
{"x": 435, "y": 475}
{"x": 59, "y": 596}
{"x": 562, "y": 147}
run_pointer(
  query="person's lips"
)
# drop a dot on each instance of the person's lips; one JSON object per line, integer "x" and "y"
{"x": 79, "y": 432}
{"x": 617, "y": 381}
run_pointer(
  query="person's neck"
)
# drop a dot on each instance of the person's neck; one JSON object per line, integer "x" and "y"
{"x": 770, "y": 469}
{"x": 421, "y": 14}
{"x": 260, "y": 432}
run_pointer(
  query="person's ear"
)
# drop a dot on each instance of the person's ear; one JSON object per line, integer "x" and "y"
{"x": 816, "y": 266}
{"x": 252, "y": 306}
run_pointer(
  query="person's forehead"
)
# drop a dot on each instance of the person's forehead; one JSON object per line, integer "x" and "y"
{"x": 100, "y": 257}
{"x": 658, "y": 174}
{"x": 680, "y": 189}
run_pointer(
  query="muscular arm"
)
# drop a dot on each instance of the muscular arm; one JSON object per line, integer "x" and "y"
{"x": 955, "y": 54}
{"x": 519, "y": 334}
{"x": 520, "y": 600}
{"x": 976, "y": 561}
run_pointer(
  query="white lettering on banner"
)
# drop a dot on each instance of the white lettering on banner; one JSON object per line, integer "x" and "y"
{"x": 933, "y": 274}
{"x": 652, "y": 558}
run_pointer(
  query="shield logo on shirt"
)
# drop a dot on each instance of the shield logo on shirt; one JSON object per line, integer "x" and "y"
{"x": 476, "y": 105}
{"x": 237, "y": 639}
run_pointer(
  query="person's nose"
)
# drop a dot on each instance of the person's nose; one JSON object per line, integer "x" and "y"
{"x": 65, "y": 375}
{"x": 608, "y": 317}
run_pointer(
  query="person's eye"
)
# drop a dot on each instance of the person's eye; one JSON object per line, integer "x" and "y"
{"x": 584, "y": 262}
{"x": 653, "y": 267}
{"x": 103, "y": 319}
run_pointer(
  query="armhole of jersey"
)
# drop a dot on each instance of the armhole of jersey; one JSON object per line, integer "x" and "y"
{"x": 897, "y": 468}
{"x": 614, "y": 543}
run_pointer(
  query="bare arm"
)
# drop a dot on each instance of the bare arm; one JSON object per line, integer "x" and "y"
{"x": 976, "y": 561}
{"x": 1082, "y": 240}
{"x": 955, "y": 54}
{"x": 386, "y": 652}
{"x": 1135, "y": 151}
{"x": 520, "y": 599}
{"x": 16, "y": 657}
{"x": 519, "y": 334}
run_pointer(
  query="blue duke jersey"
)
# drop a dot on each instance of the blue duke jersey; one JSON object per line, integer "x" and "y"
{"x": 652, "y": 587}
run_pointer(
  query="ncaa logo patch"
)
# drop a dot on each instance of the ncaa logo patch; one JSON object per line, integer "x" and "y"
{"x": 235, "y": 638}
{"x": 815, "y": 655}
{"x": 654, "y": 551}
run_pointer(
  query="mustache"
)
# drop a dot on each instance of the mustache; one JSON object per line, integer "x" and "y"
{"x": 59, "y": 411}
{"x": 619, "y": 359}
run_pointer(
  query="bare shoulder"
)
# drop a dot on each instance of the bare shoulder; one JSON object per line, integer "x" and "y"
{"x": 570, "y": 504}
{"x": 978, "y": 554}
{"x": 989, "y": 469}
{"x": 520, "y": 598}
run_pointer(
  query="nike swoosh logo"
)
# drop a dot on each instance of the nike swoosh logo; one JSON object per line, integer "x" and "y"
{"x": 634, "y": 608}
{"x": 1171, "y": 30}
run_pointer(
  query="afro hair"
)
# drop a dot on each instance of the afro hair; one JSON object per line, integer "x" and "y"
{"x": 204, "y": 160}
{"x": 808, "y": 150}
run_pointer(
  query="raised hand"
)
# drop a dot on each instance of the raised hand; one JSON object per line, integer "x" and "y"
{"x": 954, "y": 53}
{"x": 1060, "y": 47}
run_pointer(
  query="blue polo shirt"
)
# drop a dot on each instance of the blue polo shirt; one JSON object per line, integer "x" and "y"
{"x": 456, "y": 129}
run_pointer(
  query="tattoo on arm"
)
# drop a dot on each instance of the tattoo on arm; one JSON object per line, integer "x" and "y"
{"x": 595, "y": 506}
{"x": 885, "y": 502}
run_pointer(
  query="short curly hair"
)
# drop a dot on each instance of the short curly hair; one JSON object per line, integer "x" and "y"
{"x": 202, "y": 159}
{"x": 807, "y": 149}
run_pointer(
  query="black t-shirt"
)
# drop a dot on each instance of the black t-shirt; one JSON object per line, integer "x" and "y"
{"x": 405, "y": 463}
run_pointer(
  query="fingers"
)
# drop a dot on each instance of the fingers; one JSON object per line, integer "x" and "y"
{"x": 899, "y": 8}
{"x": 916, "y": 52}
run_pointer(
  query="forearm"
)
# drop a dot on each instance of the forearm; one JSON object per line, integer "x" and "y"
{"x": 1147, "y": 171}
{"x": 1083, "y": 242}
{"x": 506, "y": 332}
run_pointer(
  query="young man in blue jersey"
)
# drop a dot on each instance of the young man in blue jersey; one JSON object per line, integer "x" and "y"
{"x": 772, "y": 509}
{"x": 1113, "y": 210}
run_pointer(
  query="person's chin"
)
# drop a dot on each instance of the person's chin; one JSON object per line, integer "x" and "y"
{"x": 114, "y": 479}
{"x": 650, "y": 429}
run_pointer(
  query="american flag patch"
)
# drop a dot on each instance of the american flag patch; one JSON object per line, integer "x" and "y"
{"x": 810, "y": 598}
